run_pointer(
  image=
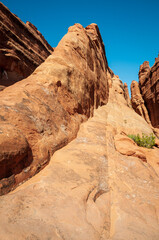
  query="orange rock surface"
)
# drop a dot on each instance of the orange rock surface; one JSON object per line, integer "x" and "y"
{"x": 138, "y": 102}
{"x": 68, "y": 170}
{"x": 149, "y": 87}
{"x": 126, "y": 92}
{"x": 48, "y": 107}
{"x": 90, "y": 190}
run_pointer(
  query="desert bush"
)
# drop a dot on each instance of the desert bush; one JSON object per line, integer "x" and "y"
{"x": 144, "y": 141}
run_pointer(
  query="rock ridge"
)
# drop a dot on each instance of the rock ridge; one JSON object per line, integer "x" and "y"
{"x": 47, "y": 107}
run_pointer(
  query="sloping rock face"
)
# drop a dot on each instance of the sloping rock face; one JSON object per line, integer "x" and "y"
{"x": 149, "y": 88}
{"x": 92, "y": 188}
{"x": 138, "y": 102}
{"x": 22, "y": 48}
{"x": 46, "y": 109}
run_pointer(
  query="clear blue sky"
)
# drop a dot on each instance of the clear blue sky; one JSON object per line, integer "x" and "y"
{"x": 130, "y": 29}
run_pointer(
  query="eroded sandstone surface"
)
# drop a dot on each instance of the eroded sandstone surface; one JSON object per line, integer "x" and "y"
{"x": 137, "y": 101}
{"x": 64, "y": 145}
{"x": 91, "y": 189}
{"x": 126, "y": 94}
{"x": 149, "y": 86}
{"x": 22, "y": 48}
{"x": 47, "y": 107}
{"x": 148, "y": 92}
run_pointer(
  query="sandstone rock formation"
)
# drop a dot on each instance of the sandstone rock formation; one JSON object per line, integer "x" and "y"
{"x": 126, "y": 94}
{"x": 127, "y": 146}
{"x": 22, "y": 48}
{"x": 138, "y": 102}
{"x": 90, "y": 190}
{"x": 45, "y": 110}
{"x": 149, "y": 88}
{"x": 98, "y": 184}
{"x": 144, "y": 70}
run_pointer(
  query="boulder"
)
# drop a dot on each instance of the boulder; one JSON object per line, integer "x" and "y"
{"x": 128, "y": 147}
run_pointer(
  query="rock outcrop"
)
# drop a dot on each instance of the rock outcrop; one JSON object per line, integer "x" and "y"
{"x": 45, "y": 110}
{"x": 92, "y": 188}
{"x": 144, "y": 70}
{"x": 149, "y": 88}
{"x": 22, "y": 48}
{"x": 98, "y": 184}
{"x": 126, "y": 94}
{"x": 137, "y": 101}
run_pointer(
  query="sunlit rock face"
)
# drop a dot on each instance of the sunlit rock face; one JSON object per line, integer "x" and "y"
{"x": 149, "y": 88}
{"x": 65, "y": 155}
{"x": 22, "y": 48}
{"x": 44, "y": 111}
{"x": 138, "y": 102}
{"x": 100, "y": 186}
{"x": 126, "y": 94}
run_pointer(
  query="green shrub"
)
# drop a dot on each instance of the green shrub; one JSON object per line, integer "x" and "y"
{"x": 144, "y": 141}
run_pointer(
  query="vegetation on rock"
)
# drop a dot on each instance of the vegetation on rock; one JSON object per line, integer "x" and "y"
{"x": 144, "y": 141}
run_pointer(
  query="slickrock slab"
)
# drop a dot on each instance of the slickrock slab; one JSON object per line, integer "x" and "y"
{"x": 69, "y": 199}
{"x": 89, "y": 190}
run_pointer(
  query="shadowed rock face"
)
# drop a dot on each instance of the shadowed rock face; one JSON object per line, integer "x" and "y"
{"x": 149, "y": 88}
{"x": 22, "y": 48}
{"x": 47, "y": 107}
{"x": 138, "y": 102}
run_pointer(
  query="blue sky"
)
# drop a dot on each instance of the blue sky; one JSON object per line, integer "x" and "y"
{"x": 130, "y": 29}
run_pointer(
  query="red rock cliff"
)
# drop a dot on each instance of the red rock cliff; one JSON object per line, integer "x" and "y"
{"x": 22, "y": 48}
{"x": 149, "y": 88}
{"x": 138, "y": 102}
{"x": 42, "y": 113}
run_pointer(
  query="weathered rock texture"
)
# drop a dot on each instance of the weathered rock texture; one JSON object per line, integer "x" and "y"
{"x": 45, "y": 110}
{"x": 92, "y": 188}
{"x": 22, "y": 48}
{"x": 149, "y": 88}
{"x": 126, "y": 94}
{"x": 138, "y": 102}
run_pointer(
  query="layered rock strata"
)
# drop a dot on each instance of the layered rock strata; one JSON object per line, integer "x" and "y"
{"x": 44, "y": 110}
{"x": 22, "y": 48}
{"x": 149, "y": 88}
{"x": 138, "y": 102}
